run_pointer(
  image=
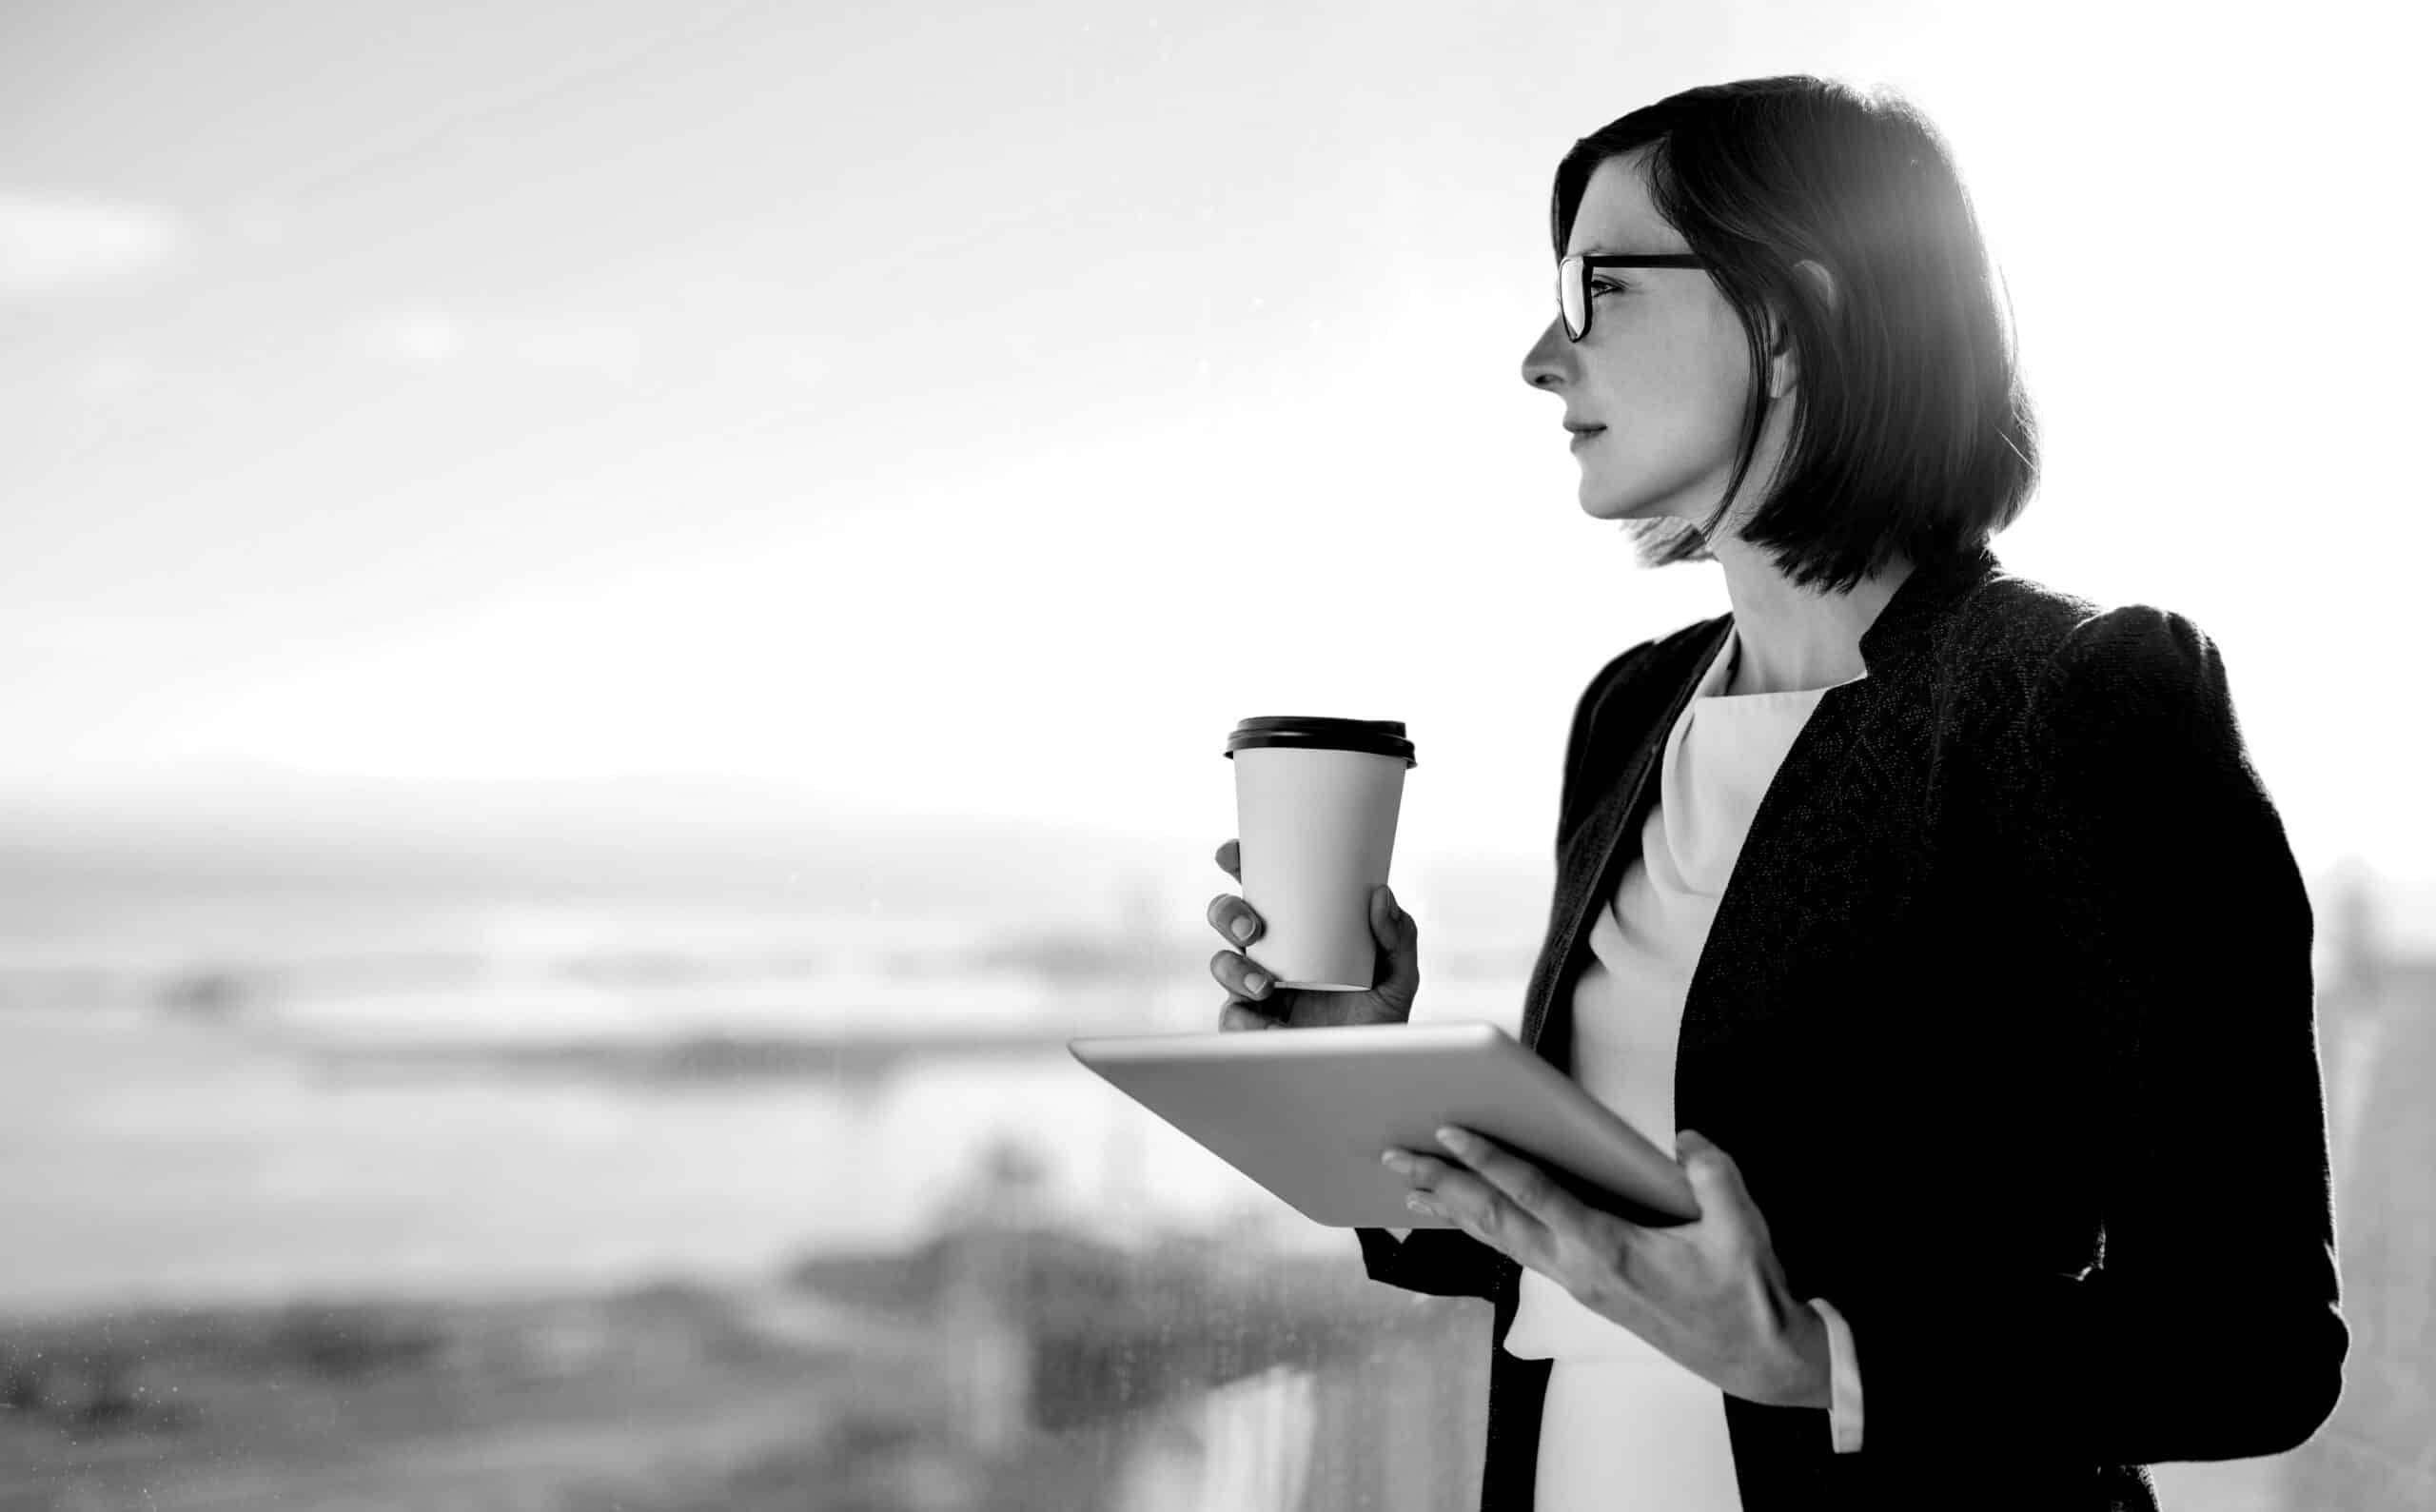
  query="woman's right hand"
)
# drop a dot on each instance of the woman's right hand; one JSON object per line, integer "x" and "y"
{"x": 1394, "y": 982}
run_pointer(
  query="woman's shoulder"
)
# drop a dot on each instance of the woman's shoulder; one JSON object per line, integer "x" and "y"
{"x": 2049, "y": 644}
{"x": 2041, "y": 678}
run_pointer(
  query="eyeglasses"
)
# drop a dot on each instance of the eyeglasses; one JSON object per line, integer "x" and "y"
{"x": 1572, "y": 296}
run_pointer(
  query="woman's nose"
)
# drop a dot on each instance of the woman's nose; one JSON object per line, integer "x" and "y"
{"x": 1543, "y": 365}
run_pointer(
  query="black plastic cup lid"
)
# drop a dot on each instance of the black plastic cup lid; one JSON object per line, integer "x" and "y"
{"x": 1378, "y": 736}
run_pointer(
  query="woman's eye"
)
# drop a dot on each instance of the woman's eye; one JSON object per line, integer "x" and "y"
{"x": 1601, "y": 285}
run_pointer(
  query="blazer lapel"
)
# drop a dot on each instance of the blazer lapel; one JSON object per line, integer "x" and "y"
{"x": 1589, "y": 874}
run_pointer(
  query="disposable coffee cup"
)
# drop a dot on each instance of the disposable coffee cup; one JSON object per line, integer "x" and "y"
{"x": 1316, "y": 801}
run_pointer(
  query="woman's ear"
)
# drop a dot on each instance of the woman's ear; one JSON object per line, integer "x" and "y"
{"x": 1782, "y": 371}
{"x": 1783, "y": 368}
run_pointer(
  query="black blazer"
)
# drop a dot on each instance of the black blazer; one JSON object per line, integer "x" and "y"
{"x": 2006, "y": 1018}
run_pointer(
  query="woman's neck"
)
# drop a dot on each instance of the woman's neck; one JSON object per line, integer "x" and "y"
{"x": 1793, "y": 639}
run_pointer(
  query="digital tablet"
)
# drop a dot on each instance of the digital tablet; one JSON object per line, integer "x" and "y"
{"x": 1306, "y": 1112}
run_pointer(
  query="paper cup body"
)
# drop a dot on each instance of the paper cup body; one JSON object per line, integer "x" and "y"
{"x": 1316, "y": 830}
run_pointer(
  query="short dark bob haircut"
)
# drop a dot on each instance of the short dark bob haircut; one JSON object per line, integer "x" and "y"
{"x": 1911, "y": 432}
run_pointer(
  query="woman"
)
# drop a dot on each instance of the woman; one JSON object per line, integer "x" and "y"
{"x": 1936, "y": 917}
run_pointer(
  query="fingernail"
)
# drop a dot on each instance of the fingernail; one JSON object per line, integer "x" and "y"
{"x": 1255, "y": 982}
{"x": 1241, "y": 929}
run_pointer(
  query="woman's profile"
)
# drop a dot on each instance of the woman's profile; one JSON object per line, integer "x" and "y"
{"x": 1935, "y": 918}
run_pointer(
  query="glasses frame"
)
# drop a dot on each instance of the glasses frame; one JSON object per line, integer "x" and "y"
{"x": 1578, "y": 268}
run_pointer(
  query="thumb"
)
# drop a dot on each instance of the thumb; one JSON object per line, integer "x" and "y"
{"x": 1387, "y": 920}
{"x": 1705, "y": 1161}
{"x": 1399, "y": 936}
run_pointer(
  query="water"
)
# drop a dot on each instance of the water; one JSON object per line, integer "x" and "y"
{"x": 264, "y": 1141}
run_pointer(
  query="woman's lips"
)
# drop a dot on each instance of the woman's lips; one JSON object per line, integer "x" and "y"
{"x": 1582, "y": 436}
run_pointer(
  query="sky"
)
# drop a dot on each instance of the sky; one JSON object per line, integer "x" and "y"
{"x": 978, "y": 411}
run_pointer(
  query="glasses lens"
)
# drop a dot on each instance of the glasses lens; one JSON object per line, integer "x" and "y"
{"x": 1570, "y": 297}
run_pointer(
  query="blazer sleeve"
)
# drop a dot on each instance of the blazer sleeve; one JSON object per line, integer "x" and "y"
{"x": 1442, "y": 1261}
{"x": 2210, "y": 1326}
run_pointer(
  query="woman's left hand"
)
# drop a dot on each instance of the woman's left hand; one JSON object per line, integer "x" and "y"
{"x": 1707, "y": 1294}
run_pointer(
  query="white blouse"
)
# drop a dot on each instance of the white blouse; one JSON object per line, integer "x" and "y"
{"x": 1626, "y": 1427}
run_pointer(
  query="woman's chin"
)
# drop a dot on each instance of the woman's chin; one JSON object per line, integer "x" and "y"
{"x": 1604, "y": 500}
{"x": 1602, "y": 504}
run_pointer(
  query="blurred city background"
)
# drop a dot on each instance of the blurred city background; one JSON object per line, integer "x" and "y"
{"x": 620, "y": 618}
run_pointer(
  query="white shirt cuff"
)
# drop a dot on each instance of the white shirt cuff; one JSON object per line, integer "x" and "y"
{"x": 1844, "y": 1390}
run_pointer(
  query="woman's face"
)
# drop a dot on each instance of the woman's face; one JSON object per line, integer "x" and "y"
{"x": 1665, "y": 369}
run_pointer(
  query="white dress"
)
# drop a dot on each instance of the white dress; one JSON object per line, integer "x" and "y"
{"x": 1624, "y": 1427}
